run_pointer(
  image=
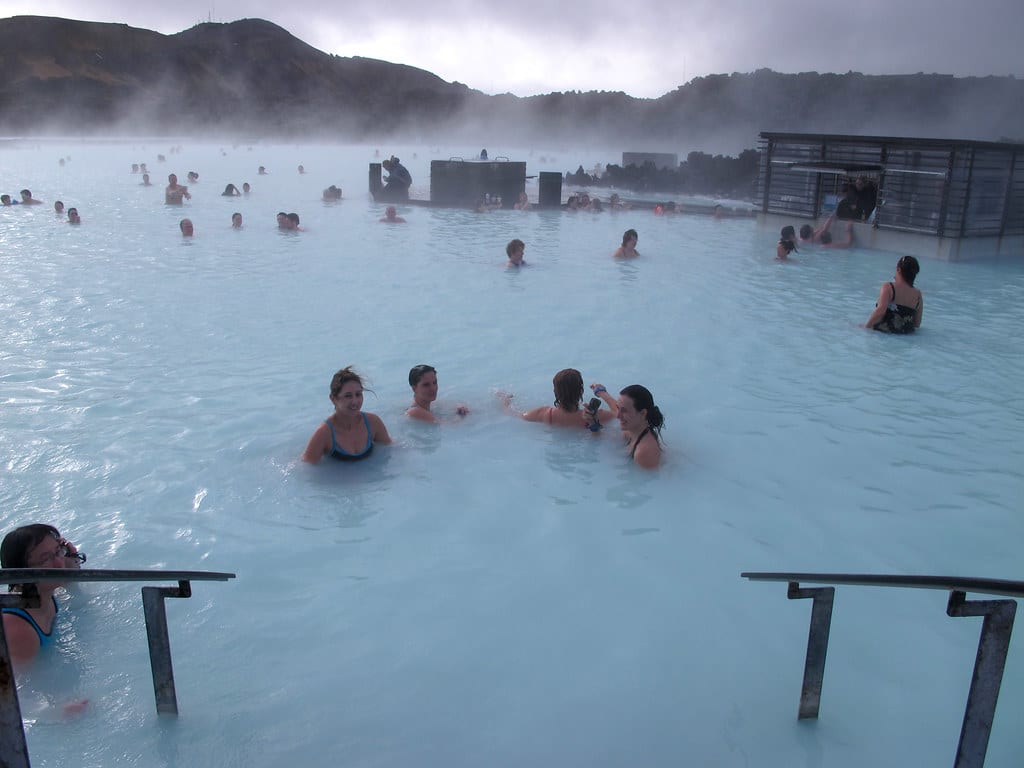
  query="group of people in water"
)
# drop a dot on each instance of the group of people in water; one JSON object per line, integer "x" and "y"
{"x": 900, "y": 306}
{"x": 350, "y": 433}
{"x": 27, "y": 199}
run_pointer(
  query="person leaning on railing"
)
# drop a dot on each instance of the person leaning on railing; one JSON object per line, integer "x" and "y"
{"x": 35, "y": 546}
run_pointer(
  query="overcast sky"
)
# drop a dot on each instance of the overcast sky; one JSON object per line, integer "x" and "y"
{"x": 643, "y": 47}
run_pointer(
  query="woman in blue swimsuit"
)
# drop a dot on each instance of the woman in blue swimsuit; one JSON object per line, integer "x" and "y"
{"x": 348, "y": 434}
{"x": 34, "y": 546}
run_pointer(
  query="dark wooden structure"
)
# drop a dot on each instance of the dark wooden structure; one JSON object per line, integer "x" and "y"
{"x": 948, "y": 198}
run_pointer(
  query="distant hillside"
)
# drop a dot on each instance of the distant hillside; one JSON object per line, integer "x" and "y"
{"x": 251, "y": 78}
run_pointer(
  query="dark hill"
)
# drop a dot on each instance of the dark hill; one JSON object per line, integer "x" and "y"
{"x": 252, "y": 78}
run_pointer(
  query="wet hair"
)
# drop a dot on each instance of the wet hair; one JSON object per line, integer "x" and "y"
{"x": 183, "y": 222}
{"x": 629, "y": 233}
{"x": 514, "y": 245}
{"x": 806, "y": 232}
{"x": 417, "y": 372}
{"x": 908, "y": 267}
{"x": 229, "y": 190}
{"x": 26, "y": 193}
{"x": 568, "y": 385}
{"x": 294, "y": 218}
{"x": 343, "y": 377}
{"x": 18, "y": 543}
{"x": 788, "y": 233}
{"x": 643, "y": 400}
{"x": 72, "y": 210}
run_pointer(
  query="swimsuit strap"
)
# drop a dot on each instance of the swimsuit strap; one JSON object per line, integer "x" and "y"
{"x": 632, "y": 454}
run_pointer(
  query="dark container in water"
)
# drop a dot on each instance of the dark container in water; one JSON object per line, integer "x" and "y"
{"x": 550, "y": 195}
{"x": 463, "y": 183}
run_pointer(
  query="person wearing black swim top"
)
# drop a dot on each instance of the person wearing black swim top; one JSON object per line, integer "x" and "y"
{"x": 348, "y": 434}
{"x": 787, "y": 243}
{"x": 900, "y": 305}
{"x": 641, "y": 422}
{"x": 34, "y": 546}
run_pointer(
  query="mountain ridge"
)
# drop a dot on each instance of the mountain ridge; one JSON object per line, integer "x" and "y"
{"x": 253, "y": 77}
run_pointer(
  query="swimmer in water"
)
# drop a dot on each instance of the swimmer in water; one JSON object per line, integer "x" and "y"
{"x": 515, "y": 251}
{"x": 246, "y": 188}
{"x": 391, "y": 216}
{"x": 523, "y": 204}
{"x": 567, "y": 410}
{"x": 348, "y": 434}
{"x": 262, "y": 171}
{"x": 145, "y": 181}
{"x": 423, "y": 380}
{"x": 900, "y": 306}
{"x": 6, "y": 200}
{"x": 236, "y": 220}
{"x": 73, "y": 217}
{"x": 293, "y": 222}
{"x": 58, "y": 208}
{"x": 282, "y": 221}
{"x": 230, "y": 191}
{"x": 641, "y": 422}
{"x": 30, "y": 630}
{"x": 185, "y": 225}
{"x": 27, "y": 199}
{"x": 628, "y": 248}
{"x": 786, "y": 245}
{"x": 175, "y": 193}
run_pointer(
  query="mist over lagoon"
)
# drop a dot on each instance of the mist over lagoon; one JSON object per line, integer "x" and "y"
{"x": 489, "y": 591}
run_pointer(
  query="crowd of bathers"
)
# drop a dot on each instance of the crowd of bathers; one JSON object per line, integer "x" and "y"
{"x": 349, "y": 433}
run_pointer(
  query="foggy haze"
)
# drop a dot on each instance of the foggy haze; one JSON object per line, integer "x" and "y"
{"x": 645, "y": 48}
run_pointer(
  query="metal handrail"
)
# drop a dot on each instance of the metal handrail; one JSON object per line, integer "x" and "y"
{"x": 33, "y": 575}
{"x": 956, "y": 583}
{"x": 989, "y": 663}
{"x": 13, "y": 748}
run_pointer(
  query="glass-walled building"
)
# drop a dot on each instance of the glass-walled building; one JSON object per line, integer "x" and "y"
{"x": 946, "y": 198}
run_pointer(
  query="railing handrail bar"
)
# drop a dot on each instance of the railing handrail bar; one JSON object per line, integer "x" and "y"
{"x": 32, "y": 575}
{"x": 954, "y": 583}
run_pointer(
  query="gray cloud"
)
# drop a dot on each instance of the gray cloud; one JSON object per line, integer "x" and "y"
{"x": 645, "y": 47}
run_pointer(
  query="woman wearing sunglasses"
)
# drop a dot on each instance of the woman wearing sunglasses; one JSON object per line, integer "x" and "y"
{"x": 35, "y": 546}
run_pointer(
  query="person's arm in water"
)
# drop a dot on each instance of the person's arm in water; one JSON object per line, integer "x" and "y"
{"x": 919, "y": 312}
{"x": 416, "y": 412}
{"x": 319, "y": 445}
{"x": 379, "y": 431}
{"x": 823, "y": 228}
{"x": 613, "y": 406}
{"x": 884, "y": 294}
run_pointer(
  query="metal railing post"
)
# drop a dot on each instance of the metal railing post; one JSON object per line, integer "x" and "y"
{"x": 993, "y": 645}
{"x": 817, "y": 645}
{"x": 13, "y": 749}
{"x": 160, "y": 644}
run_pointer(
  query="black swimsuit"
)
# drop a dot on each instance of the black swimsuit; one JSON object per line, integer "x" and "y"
{"x": 632, "y": 454}
{"x": 899, "y": 318}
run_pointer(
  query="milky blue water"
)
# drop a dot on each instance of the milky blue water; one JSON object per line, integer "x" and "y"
{"x": 487, "y": 591}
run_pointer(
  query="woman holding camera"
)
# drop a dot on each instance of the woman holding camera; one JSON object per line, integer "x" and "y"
{"x": 567, "y": 410}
